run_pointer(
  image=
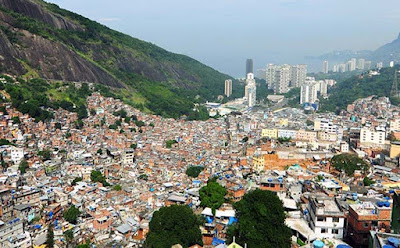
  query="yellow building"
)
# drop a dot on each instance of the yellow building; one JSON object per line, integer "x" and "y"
{"x": 284, "y": 122}
{"x": 270, "y": 133}
{"x": 394, "y": 149}
{"x": 303, "y": 135}
{"x": 258, "y": 163}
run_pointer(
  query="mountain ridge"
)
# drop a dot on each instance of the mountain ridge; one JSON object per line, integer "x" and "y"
{"x": 40, "y": 39}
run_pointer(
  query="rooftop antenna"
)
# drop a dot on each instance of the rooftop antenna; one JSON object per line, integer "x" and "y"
{"x": 395, "y": 91}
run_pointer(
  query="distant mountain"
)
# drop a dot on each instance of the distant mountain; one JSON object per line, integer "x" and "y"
{"x": 342, "y": 56}
{"x": 39, "y": 39}
{"x": 388, "y": 52}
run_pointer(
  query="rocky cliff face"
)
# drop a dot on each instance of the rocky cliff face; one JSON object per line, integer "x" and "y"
{"x": 37, "y": 11}
{"x": 38, "y": 38}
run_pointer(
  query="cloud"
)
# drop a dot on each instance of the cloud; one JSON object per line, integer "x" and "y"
{"x": 109, "y": 19}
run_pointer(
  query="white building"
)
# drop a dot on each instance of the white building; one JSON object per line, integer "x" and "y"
{"x": 250, "y": 90}
{"x": 395, "y": 125}
{"x": 325, "y": 125}
{"x": 287, "y": 133}
{"x": 10, "y": 230}
{"x": 325, "y": 217}
{"x": 372, "y": 137}
{"x": 344, "y": 147}
{"x": 309, "y": 91}
{"x": 361, "y": 64}
{"x": 17, "y": 154}
{"x": 325, "y": 67}
{"x": 128, "y": 157}
{"x": 282, "y": 79}
{"x": 298, "y": 75}
{"x": 228, "y": 88}
{"x": 270, "y": 75}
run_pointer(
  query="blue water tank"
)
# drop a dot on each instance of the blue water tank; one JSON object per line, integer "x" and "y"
{"x": 394, "y": 241}
{"x": 318, "y": 244}
{"x": 388, "y": 246}
{"x": 387, "y": 204}
{"x": 343, "y": 246}
{"x": 269, "y": 180}
{"x": 380, "y": 204}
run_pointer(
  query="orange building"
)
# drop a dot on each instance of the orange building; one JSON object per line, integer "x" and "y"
{"x": 368, "y": 216}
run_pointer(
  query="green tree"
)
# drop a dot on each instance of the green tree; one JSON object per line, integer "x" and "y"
{"x": 261, "y": 221}
{"x": 99, "y": 151}
{"x": 92, "y": 112}
{"x": 69, "y": 237}
{"x": 71, "y": 214}
{"x": 134, "y": 146}
{"x": 23, "y": 166}
{"x": 212, "y": 195}
{"x": 169, "y": 143}
{"x": 77, "y": 179}
{"x": 194, "y": 171}
{"x": 97, "y": 176}
{"x": 117, "y": 187}
{"x": 58, "y": 125}
{"x": 367, "y": 181}
{"x": 50, "y": 237}
{"x": 139, "y": 123}
{"x": 348, "y": 163}
{"x": 16, "y": 120}
{"x": 45, "y": 154}
{"x": 174, "y": 225}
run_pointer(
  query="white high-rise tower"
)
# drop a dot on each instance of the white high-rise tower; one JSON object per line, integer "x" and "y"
{"x": 250, "y": 90}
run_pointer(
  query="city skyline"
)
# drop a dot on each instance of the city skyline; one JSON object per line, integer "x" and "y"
{"x": 215, "y": 40}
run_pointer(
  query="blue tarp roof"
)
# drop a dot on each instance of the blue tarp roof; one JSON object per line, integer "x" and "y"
{"x": 232, "y": 220}
{"x": 217, "y": 241}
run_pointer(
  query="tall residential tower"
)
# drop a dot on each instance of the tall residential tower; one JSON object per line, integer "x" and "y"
{"x": 228, "y": 88}
{"x": 250, "y": 90}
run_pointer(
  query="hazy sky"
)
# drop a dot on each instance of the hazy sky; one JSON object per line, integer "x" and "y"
{"x": 223, "y": 33}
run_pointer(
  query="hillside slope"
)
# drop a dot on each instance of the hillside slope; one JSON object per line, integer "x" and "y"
{"x": 39, "y": 39}
{"x": 360, "y": 86}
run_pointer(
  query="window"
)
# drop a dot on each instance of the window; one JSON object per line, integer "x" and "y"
{"x": 335, "y": 219}
{"x": 323, "y": 230}
{"x": 320, "y": 218}
{"x": 335, "y": 231}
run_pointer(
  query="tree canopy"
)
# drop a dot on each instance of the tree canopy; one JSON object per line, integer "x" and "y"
{"x": 174, "y": 225}
{"x": 261, "y": 221}
{"x": 348, "y": 163}
{"x": 97, "y": 176}
{"x": 50, "y": 237}
{"x": 23, "y": 166}
{"x": 71, "y": 215}
{"x": 212, "y": 195}
{"x": 194, "y": 171}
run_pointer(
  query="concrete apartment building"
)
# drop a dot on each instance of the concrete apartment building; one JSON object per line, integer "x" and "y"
{"x": 374, "y": 137}
{"x": 325, "y": 217}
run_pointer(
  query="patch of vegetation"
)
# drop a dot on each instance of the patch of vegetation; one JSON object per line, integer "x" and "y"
{"x": 97, "y": 176}
{"x": 261, "y": 221}
{"x": 169, "y": 143}
{"x": 212, "y": 195}
{"x": 174, "y": 225}
{"x": 348, "y": 163}
{"x": 71, "y": 214}
{"x": 194, "y": 171}
{"x": 360, "y": 86}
